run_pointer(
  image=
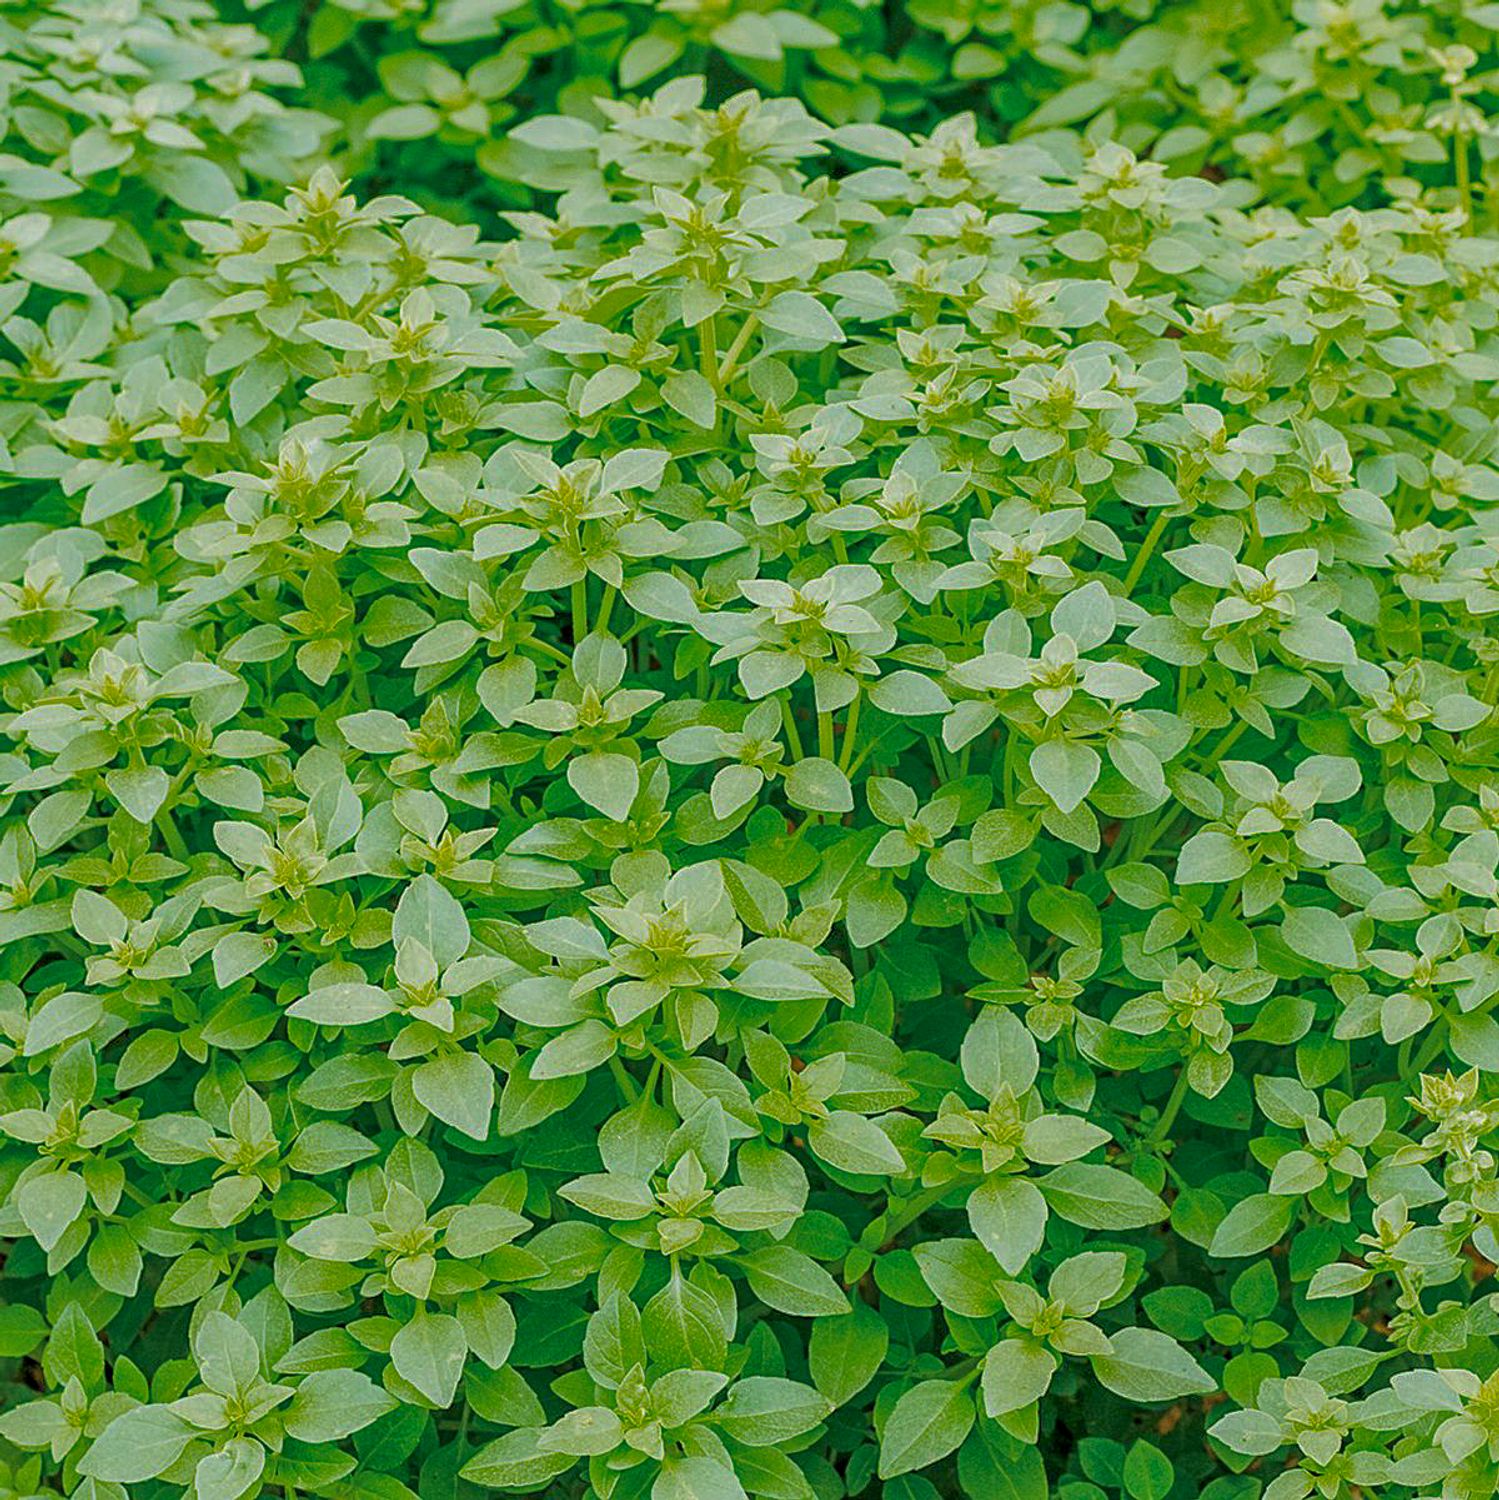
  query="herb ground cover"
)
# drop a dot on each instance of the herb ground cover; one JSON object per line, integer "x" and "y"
{"x": 713, "y": 788}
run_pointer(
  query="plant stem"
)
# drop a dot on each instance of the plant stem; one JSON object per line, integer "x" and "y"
{"x": 623, "y": 1079}
{"x": 1460, "y": 164}
{"x": 825, "y": 735}
{"x": 580, "y": 609}
{"x": 793, "y": 739}
{"x": 708, "y": 333}
{"x": 606, "y": 607}
{"x": 731, "y": 357}
{"x": 1162, "y": 1128}
{"x": 850, "y": 733}
{"x": 913, "y": 1208}
{"x": 1147, "y": 547}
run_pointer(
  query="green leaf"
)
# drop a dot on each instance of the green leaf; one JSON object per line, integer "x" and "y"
{"x": 748, "y": 34}
{"x": 683, "y": 1326}
{"x": 556, "y": 133}
{"x": 1320, "y": 935}
{"x": 238, "y": 954}
{"x": 1008, "y": 1214}
{"x": 1249, "y": 1432}
{"x": 764, "y": 1410}
{"x": 696, "y": 1477}
{"x": 142, "y": 793}
{"x": 1065, "y": 771}
{"x": 60, "y": 1020}
{"x": 458, "y": 1087}
{"x": 515, "y": 1460}
{"x": 819, "y": 786}
{"x": 1148, "y": 1473}
{"x": 1211, "y": 858}
{"x": 48, "y": 1203}
{"x": 137, "y": 1445}
{"x": 909, "y": 695}
{"x": 851, "y": 1143}
{"x": 335, "y": 1237}
{"x": 428, "y": 1353}
{"x": 691, "y": 395}
{"x": 1252, "y": 1225}
{"x": 231, "y": 1472}
{"x": 333, "y": 1404}
{"x": 928, "y": 1422}
{"x": 845, "y": 1351}
{"x": 227, "y": 1355}
{"x": 429, "y": 915}
{"x": 608, "y": 783}
{"x": 798, "y": 315}
{"x": 343, "y": 1005}
{"x": 1149, "y": 1366}
{"x": 1101, "y": 1197}
{"x": 1016, "y": 1373}
{"x": 792, "y": 1282}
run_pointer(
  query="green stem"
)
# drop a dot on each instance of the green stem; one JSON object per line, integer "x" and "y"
{"x": 1432, "y": 1048}
{"x": 1226, "y": 902}
{"x": 793, "y": 739}
{"x": 1460, "y": 164}
{"x": 850, "y": 733}
{"x": 708, "y": 334}
{"x": 623, "y": 1079}
{"x": 731, "y": 358}
{"x": 892, "y": 1223}
{"x": 170, "y": 832}
{"x": 1227, "y": 743}
{"x": 606, "y": 607}
{"x": 548, "y": 649}
{"x": 1147, "y": 547}
{"x": 580, "y": 610}
{"x": 1162, "y": 1127}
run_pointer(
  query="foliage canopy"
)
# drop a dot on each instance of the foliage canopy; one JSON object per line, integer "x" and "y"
{"x": 748, "y": 751}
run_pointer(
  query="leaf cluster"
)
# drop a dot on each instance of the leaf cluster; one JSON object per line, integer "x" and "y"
{"x": 812, "y": 811}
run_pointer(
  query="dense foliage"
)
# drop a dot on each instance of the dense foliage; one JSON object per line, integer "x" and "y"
{"x": 1316, "y": 101}
{"x": 730, "y": 793}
